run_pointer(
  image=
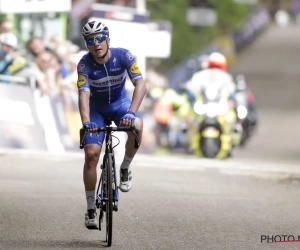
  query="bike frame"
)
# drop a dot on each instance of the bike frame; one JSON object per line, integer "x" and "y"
{"x": 108, "y": 202}
{"x": 108, "y": 153}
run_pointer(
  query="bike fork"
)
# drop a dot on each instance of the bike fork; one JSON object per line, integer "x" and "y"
{"x": 100, "y": 200}
{"x": 115, "y": 186}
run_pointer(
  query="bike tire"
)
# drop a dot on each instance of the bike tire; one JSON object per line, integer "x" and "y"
{"x": 109, "y": 201}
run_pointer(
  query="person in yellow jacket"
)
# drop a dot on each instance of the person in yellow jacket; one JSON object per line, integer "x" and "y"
{"x": 171, "y": 111}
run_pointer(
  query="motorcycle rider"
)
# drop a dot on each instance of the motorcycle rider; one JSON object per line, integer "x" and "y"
{"x": 216, "y": 79}
{"x": 214, "y": 76}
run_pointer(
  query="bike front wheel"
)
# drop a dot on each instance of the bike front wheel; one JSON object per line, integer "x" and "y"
{"x": 109, "y": 200}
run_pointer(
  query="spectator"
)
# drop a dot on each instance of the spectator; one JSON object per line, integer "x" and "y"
{"x": 282, "y": 18}
{"x": 6, "y": 26}
{"x": 8, "y": 44}
{"x": 33, "y": 48}
{"x": 68, "y": 85}
{"x": 42, "y": 71}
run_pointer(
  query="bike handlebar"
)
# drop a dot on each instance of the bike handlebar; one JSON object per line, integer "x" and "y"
{"x": 132, "y": 128}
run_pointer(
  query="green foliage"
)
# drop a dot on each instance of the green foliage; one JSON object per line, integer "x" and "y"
{"x": 2, "y": 17}
{"x": 230, "y": 14}
{"x": 187, "y": 40}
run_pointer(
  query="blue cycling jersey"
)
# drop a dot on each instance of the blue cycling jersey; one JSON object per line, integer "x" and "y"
{"x": 106, "y": 82}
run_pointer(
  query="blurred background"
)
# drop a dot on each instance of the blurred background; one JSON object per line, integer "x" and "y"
{"x": 179, "y": 200}
{"x": 171, "y": 40}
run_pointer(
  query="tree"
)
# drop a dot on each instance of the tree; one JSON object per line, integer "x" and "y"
{"x": 187, "y": 40}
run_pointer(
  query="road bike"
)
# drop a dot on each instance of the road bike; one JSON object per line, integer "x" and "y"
{"x": 107, "y": 196}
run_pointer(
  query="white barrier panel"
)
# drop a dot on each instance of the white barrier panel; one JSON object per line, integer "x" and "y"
{"x": 46, "y": 118}
{"x": 19, "y": 123}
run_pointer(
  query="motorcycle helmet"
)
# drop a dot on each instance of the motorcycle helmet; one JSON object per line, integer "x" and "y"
{"x": 217, "y": 60}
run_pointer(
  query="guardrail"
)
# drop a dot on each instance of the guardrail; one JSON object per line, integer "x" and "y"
{"x": 19, "y": 80}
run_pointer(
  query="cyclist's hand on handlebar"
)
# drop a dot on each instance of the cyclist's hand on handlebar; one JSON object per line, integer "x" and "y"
{"x": 128, "y": 119}
{"x": 92, "y": 126}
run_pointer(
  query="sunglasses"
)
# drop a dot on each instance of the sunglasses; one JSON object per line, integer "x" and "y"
{"x": 99, "y": 39}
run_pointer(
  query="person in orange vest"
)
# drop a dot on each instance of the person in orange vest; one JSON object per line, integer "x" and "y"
{"x": 170, "y": 109}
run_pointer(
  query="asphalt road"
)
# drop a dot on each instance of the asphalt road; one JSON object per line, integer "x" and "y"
{"x": 43, "y": 205}
{"x": 176, "y": 204}
{"x": 271, "y": 66}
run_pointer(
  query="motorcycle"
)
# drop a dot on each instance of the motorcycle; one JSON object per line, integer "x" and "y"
{"x": 246, "y": 109}
{"x": 248, "y": 119}
{"x": 215, "y": 136}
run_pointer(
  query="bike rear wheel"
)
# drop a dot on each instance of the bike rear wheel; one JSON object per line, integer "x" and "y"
{"x": 109, "y": 201}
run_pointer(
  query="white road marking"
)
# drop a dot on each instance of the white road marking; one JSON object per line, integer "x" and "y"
{"x": 176, "y": 162}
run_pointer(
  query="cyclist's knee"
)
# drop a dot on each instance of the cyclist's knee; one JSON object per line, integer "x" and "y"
{"x": 92, "y": 154}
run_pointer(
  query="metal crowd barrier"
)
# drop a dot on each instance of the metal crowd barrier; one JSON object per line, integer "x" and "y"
{"x": 25, "y": 81}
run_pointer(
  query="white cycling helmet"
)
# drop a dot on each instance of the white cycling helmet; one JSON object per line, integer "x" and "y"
{"x": 9, "y": 39}
{"x": 94, "y": 27}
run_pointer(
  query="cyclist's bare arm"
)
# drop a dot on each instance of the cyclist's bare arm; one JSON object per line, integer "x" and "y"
{"x": 138, "y": 95}
{"x": 84, "y": 106}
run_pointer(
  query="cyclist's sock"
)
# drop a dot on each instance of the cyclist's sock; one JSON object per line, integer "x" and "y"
{"x": 90, "y": 199}
{"x": 126, "y": 162}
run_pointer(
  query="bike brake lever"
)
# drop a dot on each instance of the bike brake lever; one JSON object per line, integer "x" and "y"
{"x": 136, "y": 137}
{"x": 82, "y": 133}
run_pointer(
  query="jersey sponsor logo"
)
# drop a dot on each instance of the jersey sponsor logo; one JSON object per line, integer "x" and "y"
{"x": 84, "y": 89}
{"x": 102, "y": 90}
{"x": 129, "y": 55}
{"x": 134, "y": 69}
{"x": 108, "y": 81}
{"x": 81, "y": 80}
{"x": 136, "y": 78}
{"x": 81, "y": 67}
{"x": 116, "y": 69}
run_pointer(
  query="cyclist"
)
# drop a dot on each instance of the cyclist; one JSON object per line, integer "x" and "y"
{"x": 101, "y": 83}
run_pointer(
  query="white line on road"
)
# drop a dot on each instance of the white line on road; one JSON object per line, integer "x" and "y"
{"x": 178, "y": 162}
